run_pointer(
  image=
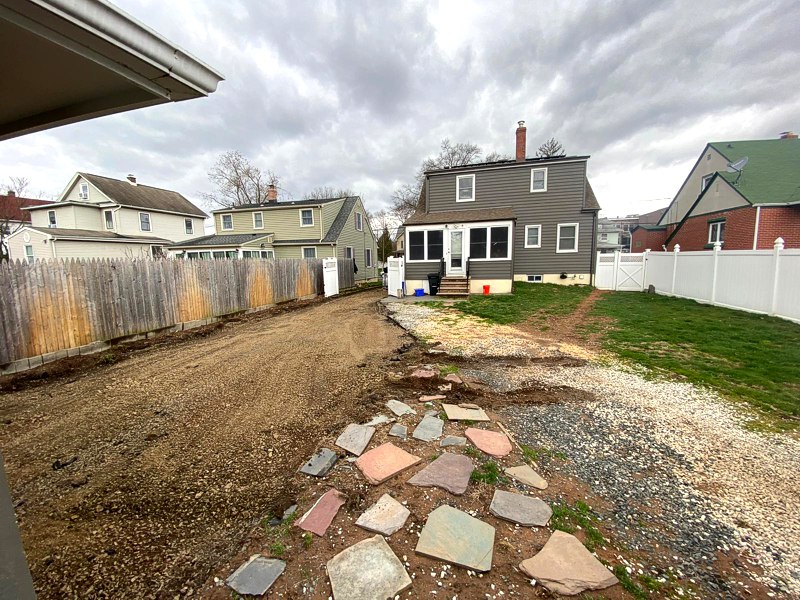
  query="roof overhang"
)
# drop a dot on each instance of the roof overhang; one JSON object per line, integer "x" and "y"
{"x": 65, "y": 61}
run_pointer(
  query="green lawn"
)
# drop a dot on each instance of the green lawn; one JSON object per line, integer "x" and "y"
{"x": 527, "y": 300}
{"x": 742, "y": 355}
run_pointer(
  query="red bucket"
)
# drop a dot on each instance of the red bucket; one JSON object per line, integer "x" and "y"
{"x": 486, "y": 290}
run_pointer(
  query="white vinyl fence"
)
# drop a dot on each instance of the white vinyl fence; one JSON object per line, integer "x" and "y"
{"x": 761, "y": 281}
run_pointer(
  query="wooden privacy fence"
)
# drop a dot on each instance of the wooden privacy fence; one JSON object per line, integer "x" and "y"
{"x": 347, "y": 277}
{"x": 52, "y": 309}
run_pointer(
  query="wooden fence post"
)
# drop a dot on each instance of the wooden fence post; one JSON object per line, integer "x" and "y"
{"x": 717, "y": 247}
{"x": 776, "y": 265}
{"x": 675, "y": 252}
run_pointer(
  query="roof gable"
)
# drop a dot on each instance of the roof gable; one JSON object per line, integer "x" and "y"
{"x": 341, "y": 219}
{"x": 142, "y": 196}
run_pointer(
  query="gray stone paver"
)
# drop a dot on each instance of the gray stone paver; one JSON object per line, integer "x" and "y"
{"x": 368, "y": 569}
{"x": 429, "y": 429}
{"x": 517, "y": 508}
{"x": 320, "y": 463}
{"x": 454, "y": 536}
{"x": 398, "y": 430}
{"x": 453, "y": 440}
{"x": 400, "y": 408}
{"x": 355, "y": 438}
{"x": 256, "y": 576}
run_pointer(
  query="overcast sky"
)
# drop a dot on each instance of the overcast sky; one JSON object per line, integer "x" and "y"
{"x": 352, "y": 94}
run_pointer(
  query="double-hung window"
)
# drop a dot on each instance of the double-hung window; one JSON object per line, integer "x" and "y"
{"x": 533, "y": 236}
{"x": 84, "y": 193}
{"x": 144, "y": 222}
{"x": 489, "y": 242}
{"x": 368, "y": 257}
{"x": 227, "y": 222}
{"x": 426, "y": 245}
{"x": 465, "y": 188}
{"x": 348, "y": 252}
{"x": 359, "y": 222}
{"x": 307, "y": 217}
{"x": 716, "y": 232}
{"x": 188, "y": 226}
{"x": 538, "y": 180}
{"x": 109, "y": 219}
{"x": 258, "y": 220}
{"x": 310, "y": 252}
{"x": 567, "y": 237}
{"x": 29, "y": 254}
{"x": 51, "y": 218}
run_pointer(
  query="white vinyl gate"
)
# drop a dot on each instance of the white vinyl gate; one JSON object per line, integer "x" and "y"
{"x": 330, "y": 276}
{"x": 622, "y": 272}
{"x": 396, "y": 271}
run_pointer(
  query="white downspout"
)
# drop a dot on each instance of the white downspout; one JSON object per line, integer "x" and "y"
{"x": 755, "y": 232}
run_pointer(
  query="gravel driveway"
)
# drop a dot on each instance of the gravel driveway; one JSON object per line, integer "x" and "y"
{"x": 181, "y": 449}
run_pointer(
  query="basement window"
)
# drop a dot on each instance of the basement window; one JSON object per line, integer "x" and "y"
{"x": 534, "y": 279}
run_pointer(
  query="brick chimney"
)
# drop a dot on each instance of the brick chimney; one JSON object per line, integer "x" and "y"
{"x": 522, "y": 141}
{"x": 788, "y": 135}
{"x": 131, "y": 179}
{"x": 11, "y": 193}
{"x": 272, "y": 193}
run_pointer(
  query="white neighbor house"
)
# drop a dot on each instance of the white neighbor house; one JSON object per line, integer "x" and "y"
{"x": 100, "y": 217}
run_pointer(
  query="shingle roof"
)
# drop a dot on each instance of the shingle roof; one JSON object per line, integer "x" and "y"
{"x": 651, "y": 218}
{"x": 271, "y": 205}
{"x": 340, "y": 220}
{"x": 110, "y": 236}
{"x": 292, "y": 242}
{"x": 143, "y": 196}
{"x": 232, "y": 239}
{"x": 10, "y": 207}
{"x": 590, "y": 201}
{"x": 505, "y": 163}
{"x": 650, "y": 227}
{"x": 772, "y": 173}
{"x": 462, "y": 216}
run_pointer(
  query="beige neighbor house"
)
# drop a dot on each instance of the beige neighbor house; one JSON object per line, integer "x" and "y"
{"x": 100, "y": 217}
{"x": 332, "y": 227}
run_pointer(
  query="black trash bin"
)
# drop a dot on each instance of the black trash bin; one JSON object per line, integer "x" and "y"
{"x": 433, "y": 283}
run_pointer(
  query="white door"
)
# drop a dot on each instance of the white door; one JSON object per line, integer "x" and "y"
{"x": 396, "y": 276}
{"x": 330, "y": 276}
{"x": 455, "y": 261}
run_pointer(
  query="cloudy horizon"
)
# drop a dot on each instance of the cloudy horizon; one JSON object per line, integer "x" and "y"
{"x": 356, "y": 94}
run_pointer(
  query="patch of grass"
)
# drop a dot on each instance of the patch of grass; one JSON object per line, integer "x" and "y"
{"x": 628, "y": 584}
{"x": 307, "y": 540}
{"x": 651, "y": 583}
{"x": 277, "y": 548}
{"x": 107, "y": 359}
{"x": 431, "y": 303}
{"x": 534, "y": 454}
{"x": 567, "y": 518}
{"x": 447, "y": 370}
{"x": 467, "y": 422}
{"x": 489, "y": 472}
{"x": 541, "y": 299}
{"x": 745, "y": 357}
{"x": 472, "y": 452}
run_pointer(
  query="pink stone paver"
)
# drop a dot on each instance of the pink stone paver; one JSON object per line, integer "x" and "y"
{"x": 432, "y": 398}
{"x": 381, "y": 463}
{"x": 491, "y": 442}
{"x": 319, "y": 517}
{"x": 423, "y": 373}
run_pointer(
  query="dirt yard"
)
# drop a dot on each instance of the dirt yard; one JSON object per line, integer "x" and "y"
{"x": 174, "y": 453}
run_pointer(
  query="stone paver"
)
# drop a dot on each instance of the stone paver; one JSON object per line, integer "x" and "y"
{"x": 521, "y": 509}
{"x": 386, "y": 516}
{"x": 319, "y": 464}
{"x": 450, "y": 472}
{"x": 526, "y": 475}
{"x": 455, "y": 412}
{"x": 378, "y": 420}
{"x": 490, "y": 442}
{"x": 429, "y": 429}
{"x": 454, "y": 536}
{"x": 400, "y": 408}
{"x": 400, "y": 431}
{"x": 432, "y": 398}
{"x": 453, "y": 440}
{"x": 445, "y": 387}
{"x": 424, "y": 373}
{"x": 454, "y": 378}
{"x": 256, "y": 576}
{"x": 368, "y": 569}
{"x": 565, "y": 566}
{"x": 355, "y": 438}
{"x": 319, "y": 517}
{"x": 385, "y": 461}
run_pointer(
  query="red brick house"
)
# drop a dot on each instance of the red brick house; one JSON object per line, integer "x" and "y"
{"x": 745, "y": 205}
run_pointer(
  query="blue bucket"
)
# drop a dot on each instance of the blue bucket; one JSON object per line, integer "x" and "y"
{"x": 419, "y": 292}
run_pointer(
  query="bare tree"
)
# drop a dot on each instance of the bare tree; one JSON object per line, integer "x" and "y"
{"x": 406, "y": 200}
{"x": 238, "y": 181}
{"x": 18, "y": 185}
{"x": 325, "y": 192}
{"x": 495, "y": 156}
{"x": 551, "y": 147}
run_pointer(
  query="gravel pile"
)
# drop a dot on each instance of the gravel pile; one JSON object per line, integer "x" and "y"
{"x": 679, "y": 468}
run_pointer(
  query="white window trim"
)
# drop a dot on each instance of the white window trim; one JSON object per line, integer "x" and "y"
{"x": 558, "y": 237}
{"x": 425, "y": 231}
{"x": 190, "y": 223}
{"x": 149, "y": 222}
{"x": 705, "y": 180}
{"x": 467, "y": 227}
{"x": 222, "y": 221}
{"x": 368, "y": 263}
{"x": 458, "y": 180}
{"x": 538, "y": 237}
{"x": 29, "y": 258}
{"x": 105, "y": 222}
{"x": 711, "y": 228}
{"x": 55, "y": 219}
{"x": 301, "y": 217}
{"x": 303, "y": 251}
{"x": 359, "y": 221}
{"x": 488, "y": 227}
{"x": 262, "y": 219}
{"x": 83, "y": 195}
{"x": 352, "y": 252}
{"x": 543, "y": 169}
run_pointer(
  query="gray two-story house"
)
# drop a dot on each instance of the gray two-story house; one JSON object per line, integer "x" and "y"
{"x": 489, "y": 224}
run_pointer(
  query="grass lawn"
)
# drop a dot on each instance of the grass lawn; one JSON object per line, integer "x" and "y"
{"x": 742, "y": 355}
{"x": 528, "y": 300}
